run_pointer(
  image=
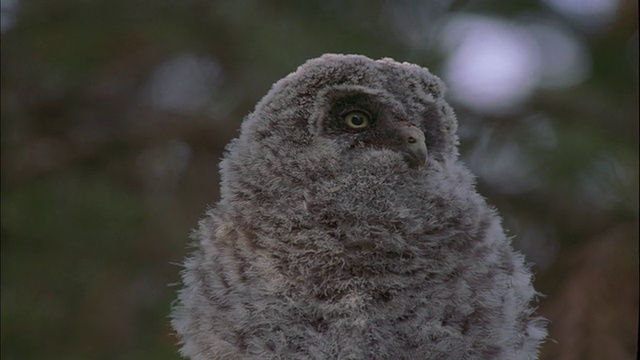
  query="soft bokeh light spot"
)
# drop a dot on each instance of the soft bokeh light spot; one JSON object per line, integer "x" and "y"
{"x": 591, "y": 14}
{"x": 8, "y": 14}
{"x": 162, "y": 166}
{"x": 184, "y": 83}
{"x": 540, "y": 131}
{"x": 493, "y": 66}
{"x": 502, "y": 165}
{"x": 564, "y": 60}
{"x": 412, "y": 21}
{"x": 605, "y": 181}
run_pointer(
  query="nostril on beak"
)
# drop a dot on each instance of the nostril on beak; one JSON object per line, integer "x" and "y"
{"x": 412, "y": 144}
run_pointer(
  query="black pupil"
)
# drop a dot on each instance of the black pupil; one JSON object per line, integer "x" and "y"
{"x": 357, "y": 120}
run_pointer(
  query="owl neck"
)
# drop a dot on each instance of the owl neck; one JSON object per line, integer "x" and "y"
{"x": 366, "y": 203}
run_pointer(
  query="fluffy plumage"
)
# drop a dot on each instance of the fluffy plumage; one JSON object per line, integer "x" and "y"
{"x": 328, "y": 244}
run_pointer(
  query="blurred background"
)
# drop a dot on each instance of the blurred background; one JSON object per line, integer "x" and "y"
{"x": 115, "y": 114}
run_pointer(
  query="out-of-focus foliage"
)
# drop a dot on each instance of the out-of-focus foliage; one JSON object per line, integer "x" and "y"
{"x": 115, "y": 113}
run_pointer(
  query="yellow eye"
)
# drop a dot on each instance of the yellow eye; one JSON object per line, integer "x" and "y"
{"x": 357, "y": 119}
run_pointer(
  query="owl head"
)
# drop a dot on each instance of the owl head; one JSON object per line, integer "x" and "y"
{"x": 337, "y": 110}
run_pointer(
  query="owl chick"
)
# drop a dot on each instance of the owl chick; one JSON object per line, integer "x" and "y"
{"x": 348, "y": 229}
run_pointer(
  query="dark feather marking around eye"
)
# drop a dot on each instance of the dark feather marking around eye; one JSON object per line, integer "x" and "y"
{"x": 335, "y": 123}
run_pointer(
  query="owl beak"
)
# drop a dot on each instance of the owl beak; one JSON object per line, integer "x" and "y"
{"x": 414, "y": 147}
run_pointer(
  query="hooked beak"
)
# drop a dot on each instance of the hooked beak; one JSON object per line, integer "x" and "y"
{"x": 413, "y": 146}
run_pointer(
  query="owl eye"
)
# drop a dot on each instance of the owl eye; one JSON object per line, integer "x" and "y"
{"x": 357, "y": 119}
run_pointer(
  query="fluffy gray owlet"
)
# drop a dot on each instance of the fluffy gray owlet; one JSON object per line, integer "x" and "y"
{"x": 348, "y": 229}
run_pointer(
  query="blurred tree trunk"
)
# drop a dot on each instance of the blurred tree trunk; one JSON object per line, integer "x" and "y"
{"x": 592, "y": 297}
